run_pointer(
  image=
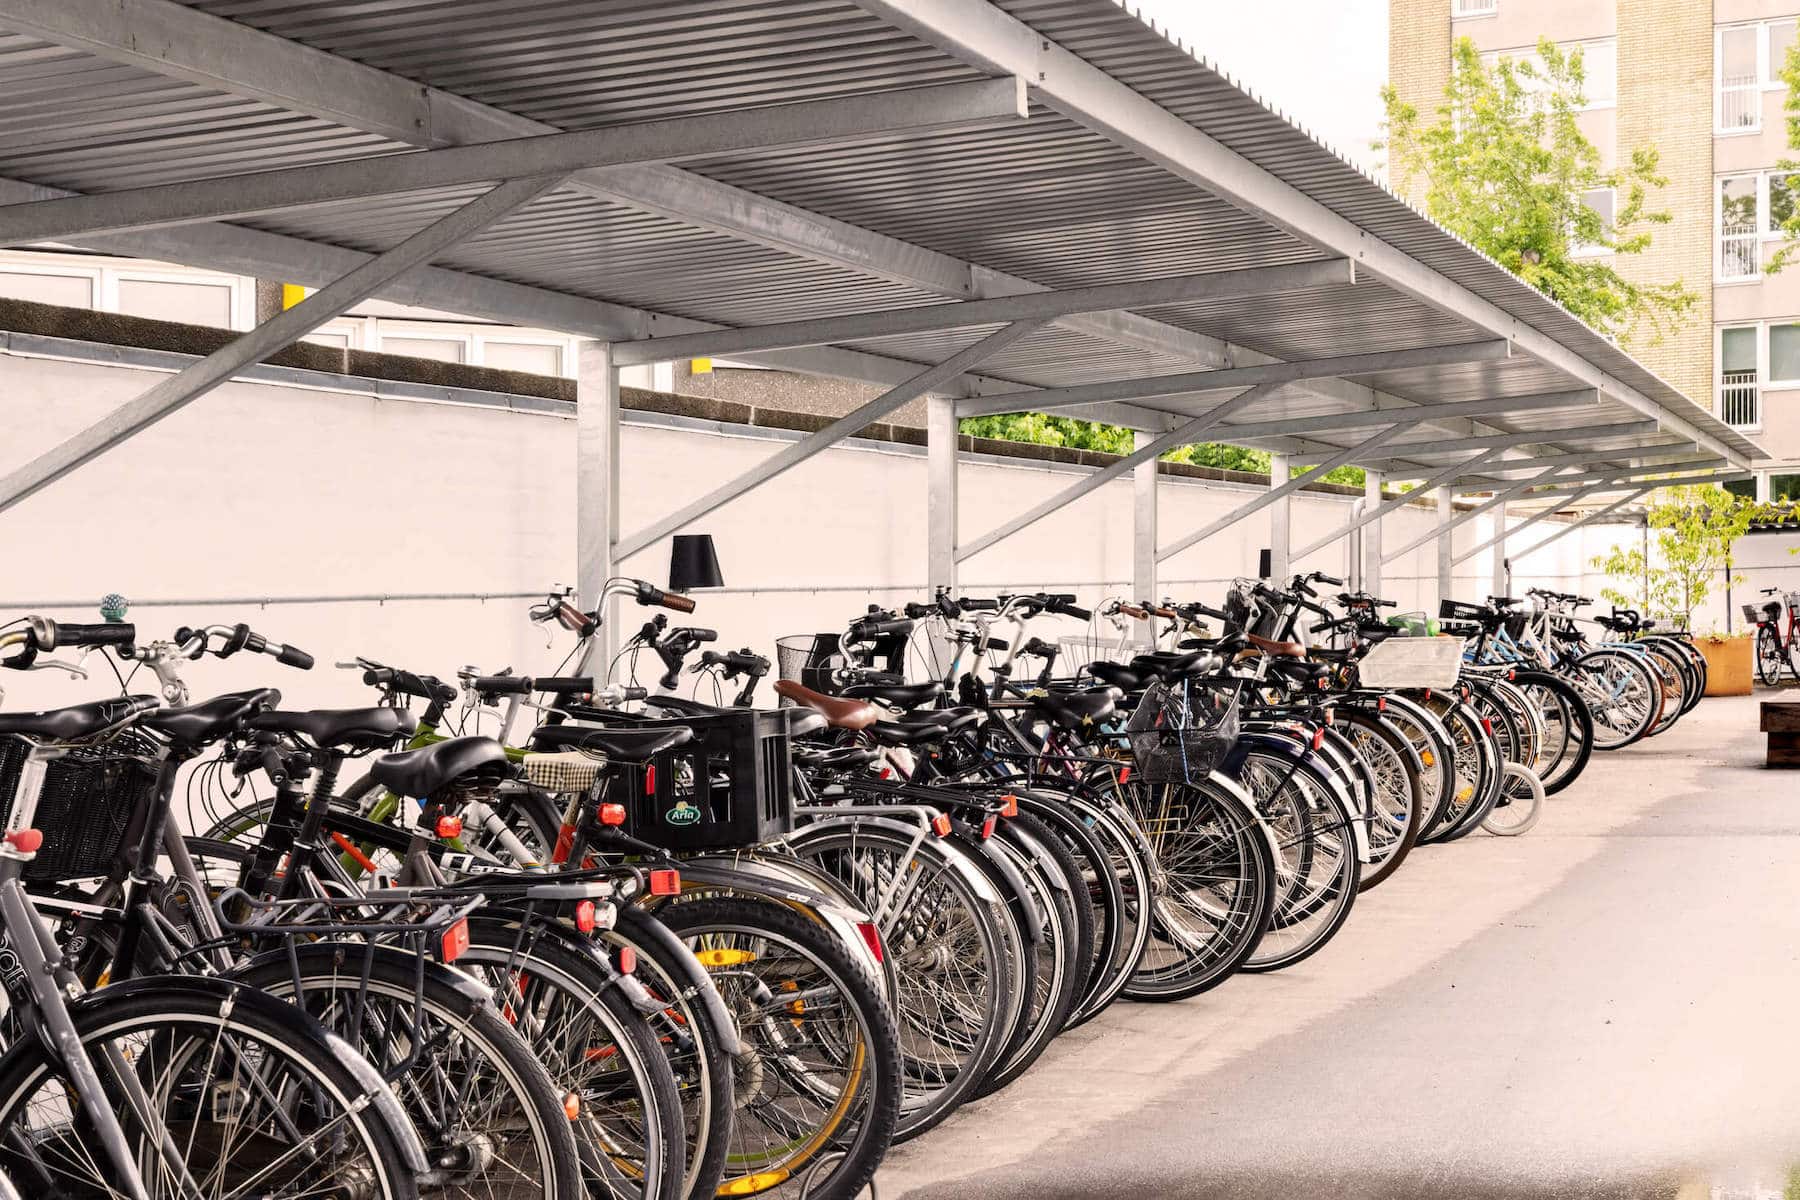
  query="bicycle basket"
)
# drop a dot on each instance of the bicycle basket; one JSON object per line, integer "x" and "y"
{"x": 1751, "y": 616}
{"x": 1179, "y": 734}
{"x": 729, "y": 788}
{"x": 1411, "y": 662}
{"x": 87, "y": 811}
{"x": 810, "y": 659}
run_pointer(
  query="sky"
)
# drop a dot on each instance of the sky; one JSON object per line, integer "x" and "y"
{"x": 1322, "y": 62}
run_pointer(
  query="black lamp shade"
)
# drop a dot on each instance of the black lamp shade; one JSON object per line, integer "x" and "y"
{"x": 693, "y": 564}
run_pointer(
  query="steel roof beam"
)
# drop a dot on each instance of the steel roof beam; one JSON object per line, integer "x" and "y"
{"x": 985, "y": 36}
{"x": 1269, "y": 497}
{"x": 226, "y": 197}
{"x": 1533, "y": 519}
{"x": 1642, "y": 455}
{"x": 1542, "y": 477}
{"x": 798, "y": 452}
{"x": 1566, "y": 530}
{"x": 1416, "y": 451}
{"x": 930, "y": 318}
{"x": 1688, "y": 464}
{"x": 285, "y": 328}
{"x": 1389, "y": 505}
{"x": 1365, "y": 418}
{"x": 1196, "y": 382}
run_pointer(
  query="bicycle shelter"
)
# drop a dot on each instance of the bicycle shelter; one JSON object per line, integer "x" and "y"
{"x": 999, "y": 205}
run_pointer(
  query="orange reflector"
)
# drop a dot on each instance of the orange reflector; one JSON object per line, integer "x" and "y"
{"x": 871, "y": 937}
{"x": 1009, "y": 805}
{"x": 665, "y": 883}
{"x": 627, "y": 959}
{"x": 565, "y": 844}
{"x": 612, "y": 814}
{"x": 584, "y": 916}
{"x": 571, "y": 1106}
{"x": 456, "y": 940}
{"x": 987, "y": 827}
{"x": 449, "y": 826}
{"x": 940, "y": 825}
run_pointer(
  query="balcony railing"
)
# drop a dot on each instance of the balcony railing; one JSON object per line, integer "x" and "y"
{"x": 1475, "y": 8}
{"x": 1738, "y": 251}
{"x": 1740, "y": 401}
{"x": 1740, "y": 102}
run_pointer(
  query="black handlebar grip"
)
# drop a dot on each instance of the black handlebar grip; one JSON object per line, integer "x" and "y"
{"x": 293, "y": 656}
{"x": 695, "y": 633}
{"x": 563, "y": 683}
{"x": 979, "y": 605}
{"x": 1326, "y": 579}
{"x": 637, "y": 693}
{"x": 869, "y": 628}
{"x": 112, "y": 633}
{"x": 501, "y": 685}
{"x": 918, "y": 611}
{"x": 1076, "y": 611}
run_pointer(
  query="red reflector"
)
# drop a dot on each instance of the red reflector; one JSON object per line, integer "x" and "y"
{"x": 627, "y": 960}
{"x": 26, "y": 841}
{"x": 1009, "y": 805}
{"x": 565, "y": 844}
{"x": 1487, "y": 725}
{"x": 584, "y": 916}
{"x": 871, "y": 936}
{"x": 1428, "y": 693}
{"x": 665, "y": 883}
{"x": 1329, "y": 718}
{"x": 1318, "y": 738}
{"x": 1124, "y": 776}
{"x": 1511, "y": 675}
{"x": 650, "y": 780}
{"x": 1381, "y": 704}
{"x": 887, "y": 772}
{"x": 456, "y": 940}
{"x": 449, "y": 827}
{"x": 987, "y": 827}
{"x": 612, "y": 814}
{"x": 940, "y": 825}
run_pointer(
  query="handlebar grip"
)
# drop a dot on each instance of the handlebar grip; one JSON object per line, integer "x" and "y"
{"x": 1328, "y": 580}
{"x": 636, "y": 693}
{"x": 1132, "y": 610}
{"x": 1207, "y": 610}
{"x": 918, "y": 611}
{"x": 107, "y": 634}
{"x": 293, "y": 656}
{"x": 697, "y": 634}
{"x": 1076, "y": 611}
{"x": 649, "y": 595}
{"x": 978, "y": 605}
{"x": 501, "y": 685}
{"x": 868, "y": 629}
{"x": 680, "y": 604}
{"x": 563, "y": 683}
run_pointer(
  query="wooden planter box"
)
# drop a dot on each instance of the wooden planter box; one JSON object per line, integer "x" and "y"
{"x": 1730, "y": 664}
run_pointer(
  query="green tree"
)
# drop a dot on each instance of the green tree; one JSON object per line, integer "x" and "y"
{"x": 1504, "y": 166}
{"x": 1046, "y": 430}
{"x": 1695, "y": 528}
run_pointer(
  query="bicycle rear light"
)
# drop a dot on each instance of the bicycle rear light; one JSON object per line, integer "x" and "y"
{"x": 612, "y": 814}
{"x": 585, "y": 919}
{"x": 455, "y": 941}
{"x": 665, "y": 882}
{"x": 449, "y": 827}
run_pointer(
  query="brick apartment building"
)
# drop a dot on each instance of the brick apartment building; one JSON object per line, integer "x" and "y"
{"x": 1698, "y": 79}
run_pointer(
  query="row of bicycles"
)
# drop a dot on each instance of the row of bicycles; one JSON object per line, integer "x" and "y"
{"x": 488, "y": 934}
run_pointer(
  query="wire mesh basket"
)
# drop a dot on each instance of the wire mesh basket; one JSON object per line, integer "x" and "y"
{"x": 93, "y": 797}
{"x": 1077, "y": 650}
{"x": 1179, "y": 734}
{"x": 810, "y": 659}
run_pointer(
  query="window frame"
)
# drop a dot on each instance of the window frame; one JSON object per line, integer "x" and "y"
{"x": 1584, "y": 250}
{"x": 1760, "y": 335}
{"x": 1460, "y": 13}
{"x": 1766, "y": 78}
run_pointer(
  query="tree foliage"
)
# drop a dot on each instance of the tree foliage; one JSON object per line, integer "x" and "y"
{"x": 1046, "y": 430}
{"x": 1694, "y": 529}
{"x": 1505, "y": 166}
{"x": 1784, "y": 190}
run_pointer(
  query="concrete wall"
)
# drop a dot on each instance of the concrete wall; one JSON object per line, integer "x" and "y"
{"x": 272, "y": 494}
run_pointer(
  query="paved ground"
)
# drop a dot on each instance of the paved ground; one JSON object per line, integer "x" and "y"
{"x": 1607, "y": 1006}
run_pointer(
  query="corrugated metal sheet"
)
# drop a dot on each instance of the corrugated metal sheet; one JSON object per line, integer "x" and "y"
{"x": 1045, "y": 200}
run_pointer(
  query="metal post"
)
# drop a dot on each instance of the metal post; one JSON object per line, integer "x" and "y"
{"x": 1446, "y": 501}
{"x": 1499, "y": 572}
{"x": 1143, "y": 526}
{"x": 1371, "y": 540}
{"x": 940, "y": 500}
{"x": 597, "y": 485}
{"x": 1281, "y": 514}
{"x": 1763, "y": 481}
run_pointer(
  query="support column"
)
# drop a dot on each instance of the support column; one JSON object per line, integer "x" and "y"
{"x": 1500, "y": 583}
{"x": 597, "y": 487}
{"x": 1764, "y": 479}
{"x": 1143, "y": 528}
{"x": 1280, "y": 519}
{"x": 1446, "y": 513}
{"x": 1371, "y": 542}
{"x": 940, "y": 500}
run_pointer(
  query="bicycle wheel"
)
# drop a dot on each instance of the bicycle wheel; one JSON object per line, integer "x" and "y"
{"x": 1397, "y": 807}
{"x": 1568, "y": 726}
{"x": 1096, "y": 885}
{"x": 255, "y": 1100}
{"x": 491, "y": 1117}
{"x": 953, "y": 947}
{"x": 1437, "y": 755}
{"x": 1520, "y": 805}
{"x": 1215, "y": 885}
{"x": 1316, "y": 856}
{"x": 1621, "y": 693}
{"x": 818, "y": 1078}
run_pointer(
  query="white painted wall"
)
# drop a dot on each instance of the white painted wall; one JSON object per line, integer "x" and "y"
{"x": 281, "y": 492}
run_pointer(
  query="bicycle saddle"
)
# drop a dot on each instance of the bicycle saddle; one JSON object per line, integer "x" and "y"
{"x": 76, "y": 721}
{"x": 342, "y": 728}
{"x": 1275, "y": 649}
{"x": 1114, "y": 675}
{"x": 900, "y": 695}
{"x": 198, "y": 724}
{"x": 621, "y": 745}
{"x": 840, "y": 712}
{"x": 1077, "y": 710}
{"x": 429, "y": 769}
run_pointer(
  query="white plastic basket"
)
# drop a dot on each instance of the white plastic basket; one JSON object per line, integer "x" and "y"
{"x": 1076, "y": 651}
{"x": 1412, "y": 662}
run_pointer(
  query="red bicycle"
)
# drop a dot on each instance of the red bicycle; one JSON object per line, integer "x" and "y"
{"x": 1774, "y": 647}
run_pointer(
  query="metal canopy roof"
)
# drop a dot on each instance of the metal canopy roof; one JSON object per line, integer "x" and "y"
{"x": 1004, "y": 204}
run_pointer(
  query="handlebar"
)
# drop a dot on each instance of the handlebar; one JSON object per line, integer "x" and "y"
{"x": 240, "y": 637}
{"x": 651, "y": 596}
{"x": 65, "y": 633}
{"x": 425, "y": 687}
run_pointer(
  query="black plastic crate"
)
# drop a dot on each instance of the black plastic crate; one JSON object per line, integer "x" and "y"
{"x": 91, "y": 805}
{"x": 1458, "y": 610}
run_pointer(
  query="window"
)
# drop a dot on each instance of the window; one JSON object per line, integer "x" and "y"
{"x": 1739, "y": 398}
{"x": 1747, "y": 61}
{"x": 168, "y": 300}
{"x": 1784, "y": 353}
{"x": 1739, "y": 227}
{"x": 1599, "y": 68}
{"x": 1474, "y": 8}
{"x": 70, "y": 291}
{"x": 1603, "y": 202}
{"x": 539, "y": 358}
{"x": 442, "y": 349}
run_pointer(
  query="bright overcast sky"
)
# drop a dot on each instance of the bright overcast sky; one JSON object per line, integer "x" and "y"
{"x": 1320, "y": 61}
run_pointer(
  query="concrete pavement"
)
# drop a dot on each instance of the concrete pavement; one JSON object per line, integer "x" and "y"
{"x": 1606, "y": 1006}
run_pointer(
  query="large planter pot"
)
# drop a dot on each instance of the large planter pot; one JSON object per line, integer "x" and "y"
{"x": 1730, "y": 664}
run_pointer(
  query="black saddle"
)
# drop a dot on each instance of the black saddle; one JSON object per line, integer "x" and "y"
{"x": 429, "y": 769}
{"x": 900, "y": 695}
{"x": 76, "y": 721}
{"x": 619, "y": 745}
{"x": 907, "y": 733}
{"x": 197, "y": 724}
{"x": 343, "y": 728}
{"x": 834, "y": 758}
{"x": 1114, "y": 675}
{"x": 1077, "y": 710}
